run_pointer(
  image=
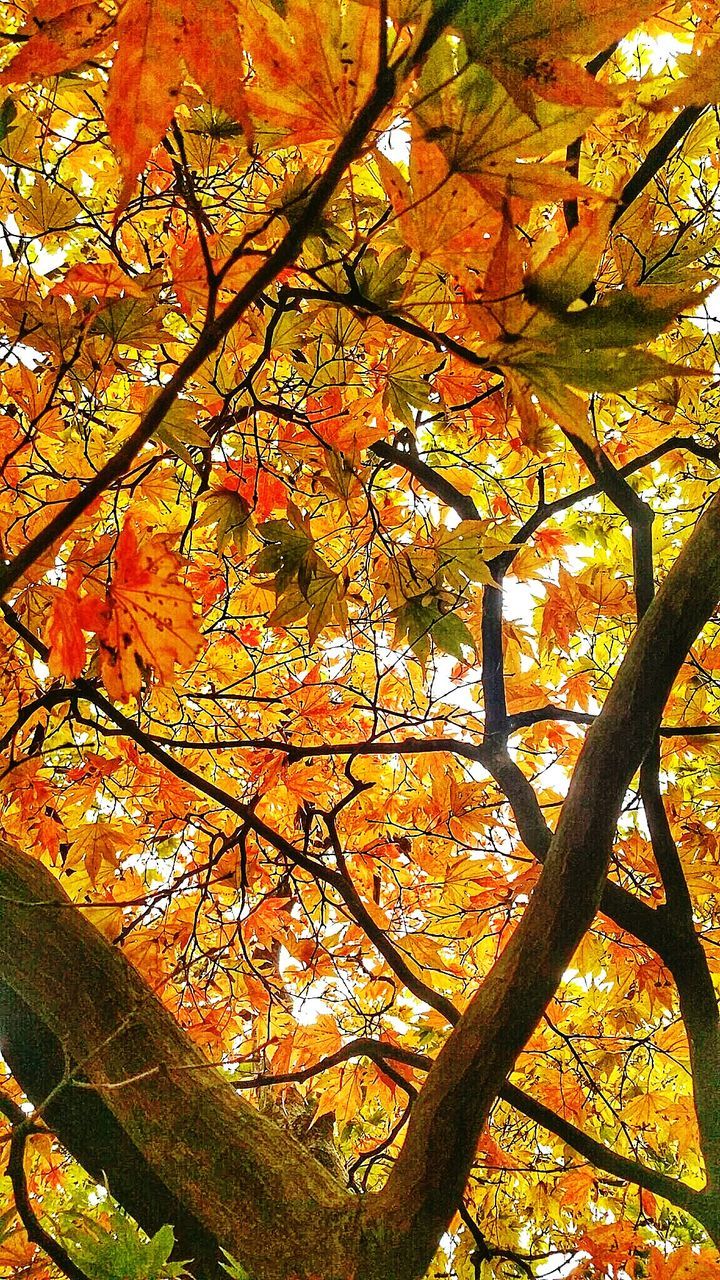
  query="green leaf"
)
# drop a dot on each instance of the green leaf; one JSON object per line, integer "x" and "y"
{"x": 305, "y": 587}
{"x": 464, "y": 553}
{"x": 626, "y": 318}
{"x": 123, "y": 1251}
{"x": 380, "y": 281}
{"x": 8, "y": 112}
{"x": 320, "y": 601}
{"x": 289, "y": 552}
{"x": 407, "y": 386}
{"x": 421, "y": 620}
{"x": 234, "y": 1268}
{"x": 230, "y": 513}
{"x": 130, "y": 322}
{"x": 451, "y": 635}
{"x": 518, "y": 29}
{"x": 179, "y": 429}
{"x": 572, "y": 266}
{"x": 617, "y": 370}
{"x": 292, "y": 330}
{"x": 160, "y": 1247}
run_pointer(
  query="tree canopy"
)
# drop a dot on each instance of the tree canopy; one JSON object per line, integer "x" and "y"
{"x": 360, "y": 564}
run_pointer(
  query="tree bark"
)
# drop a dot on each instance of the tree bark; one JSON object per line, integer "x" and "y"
{"x": 429, "y": 1176}
{"x": 245, "y": 1183}
{"x": 91, "y": 1133}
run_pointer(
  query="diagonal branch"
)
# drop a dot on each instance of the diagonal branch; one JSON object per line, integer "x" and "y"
{"x": 683, "y": 951}
{"x": 252, "y": 1187}
{"x": 87, "y": 1128}
{"x": 426, "y": 1182}
{"x": 697, "y": 1203}
{"x": 657, "y": 156}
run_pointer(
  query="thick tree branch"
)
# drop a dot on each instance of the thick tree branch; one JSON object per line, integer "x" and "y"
{"x": 253, "y": 1188}
{"x": 427, "y": 1180}
{"x": 428, "y": 477}
{"x": 87, "y": 1128}
{"x": 684, "y": 954}
{"x": 521, "y": 719}
{"x": 682, "y": 950}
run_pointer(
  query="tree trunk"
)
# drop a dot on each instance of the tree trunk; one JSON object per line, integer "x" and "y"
{"x": 237, "y": 1178}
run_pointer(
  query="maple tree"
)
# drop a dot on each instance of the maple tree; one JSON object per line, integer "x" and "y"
{"x": 360, "y": 565}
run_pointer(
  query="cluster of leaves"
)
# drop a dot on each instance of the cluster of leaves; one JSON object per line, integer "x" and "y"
{"x": 106, "y": 1251}
{"x": 279, "y": 601}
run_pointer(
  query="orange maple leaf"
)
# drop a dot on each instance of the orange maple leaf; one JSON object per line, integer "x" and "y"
{"x": 161, "y": 43}
{"x": 70, "y": 616}
{"x": 60, "y": 34}
{"x": 148, "y": 624}
{"x": 683, "y": 1264}
{"x": 64, "y": 636}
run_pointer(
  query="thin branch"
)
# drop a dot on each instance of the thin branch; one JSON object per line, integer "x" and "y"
{"x": 656, "y": 157}
{"x": 22, "y": 1127}
{"x": 597, "y": 1153}
{"x": 428, "y": 478}
{"x": 362, "y": 1047}
{"x": 698, "y": 1203}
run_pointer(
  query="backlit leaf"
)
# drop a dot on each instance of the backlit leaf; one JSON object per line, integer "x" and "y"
{"x": 149, "y": 625}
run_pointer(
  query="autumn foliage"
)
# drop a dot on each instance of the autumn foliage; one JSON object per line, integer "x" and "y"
{"x": 359, "y": 393}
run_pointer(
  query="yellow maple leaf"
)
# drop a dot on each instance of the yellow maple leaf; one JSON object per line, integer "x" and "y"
{"x": 701, "y": 84}
{"x": 95, "y": 843}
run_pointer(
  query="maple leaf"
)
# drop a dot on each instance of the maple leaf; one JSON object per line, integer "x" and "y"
{"x": 64, "y": 636}
{"x": 160, "y": 44}
{"x": 551, "y": 349}
{"x": 228, "y": 511}
{"x": 96, "y": 844}
{"x": 304, "y": 98}
{"x": 701, "y": 83}
{"x": 59, "y": 35}
{"x": 420, "y": 620}
{"x": 683, "y": 1264}
{"x": 100, "y": 281}
{"x": 149, "y": 625}
{"x": 527, "y": 45}
{"x": 71, "y": 614}
{"x": 572, "y": 266}
{"x": 485, "y": 136}
{"x": 305, "y": 586}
